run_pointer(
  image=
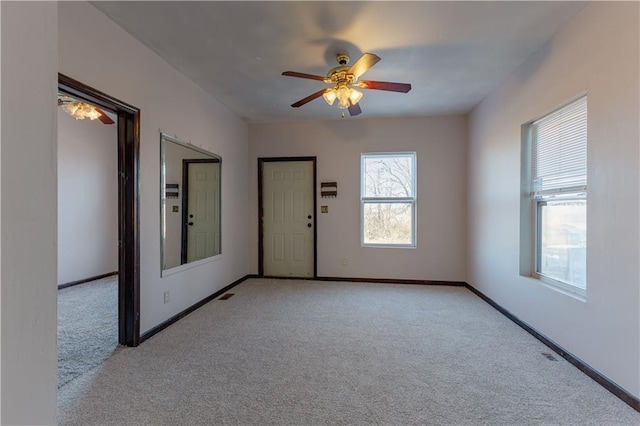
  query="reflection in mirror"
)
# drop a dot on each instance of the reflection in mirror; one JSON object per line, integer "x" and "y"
{"x": 190, "y": 206}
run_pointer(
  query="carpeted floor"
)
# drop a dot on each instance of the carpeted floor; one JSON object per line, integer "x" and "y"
{"x": 87, "y": 327}
{"x": 286, "y": 352}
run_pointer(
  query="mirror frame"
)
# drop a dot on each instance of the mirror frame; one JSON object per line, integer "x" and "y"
{"x": 164, "y": 138}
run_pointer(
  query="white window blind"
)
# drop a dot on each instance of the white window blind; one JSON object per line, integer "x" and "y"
{"x": 559, "y": 150}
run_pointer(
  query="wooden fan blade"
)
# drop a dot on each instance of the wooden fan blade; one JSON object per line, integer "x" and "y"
{"x": 354, "y": 109}
{"x": 384, "y": 85}
{"x": 104, "y": 117}
{"x": 303, "y": 75}
{"x": 309, "y": 98}
{"x": 366, "y": 61}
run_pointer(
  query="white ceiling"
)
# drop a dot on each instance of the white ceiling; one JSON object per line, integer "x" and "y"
{"x": 453, "y": 53}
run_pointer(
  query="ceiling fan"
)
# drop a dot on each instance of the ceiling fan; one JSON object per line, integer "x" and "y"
{"x": 81, "y": 110}
{"x": 343, "y": 79}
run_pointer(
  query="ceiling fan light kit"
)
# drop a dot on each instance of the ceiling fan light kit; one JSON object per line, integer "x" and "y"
{"x": 81, "y": 110}
{"x": 342, "y": 78}
{"x": 346, "y": 96}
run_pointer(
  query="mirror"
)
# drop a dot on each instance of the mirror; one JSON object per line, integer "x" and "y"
{"x": 190, "y": 205}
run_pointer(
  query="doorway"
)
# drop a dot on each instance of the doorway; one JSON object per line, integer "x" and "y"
{"x": 287, "y": 217}
{"x": 128, "y": 122}
{"x": 200, "y": 209}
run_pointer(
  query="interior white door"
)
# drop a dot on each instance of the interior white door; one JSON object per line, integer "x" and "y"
{"x": 203, "y": 210}
{"x": 287, "y": 219}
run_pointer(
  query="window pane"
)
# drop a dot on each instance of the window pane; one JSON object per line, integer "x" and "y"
{"x": 388, "y": 223}
{"x": 388, "y": 176}
{"x": 563, "y": 241}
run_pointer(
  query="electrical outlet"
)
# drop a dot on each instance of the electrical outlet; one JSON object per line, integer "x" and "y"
{"x": 345, "y": 262}
{"x": 166, "y": 297}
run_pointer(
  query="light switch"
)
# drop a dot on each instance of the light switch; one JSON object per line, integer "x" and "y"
{"x": 324, "y": 209}
{"x": 176, "y": 209}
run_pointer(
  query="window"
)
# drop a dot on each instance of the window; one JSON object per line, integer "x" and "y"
{"x": 559, "y": 195}
{"x": 388, "y": 199}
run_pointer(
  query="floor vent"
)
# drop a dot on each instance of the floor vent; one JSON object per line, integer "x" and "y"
{"x": 549, "y": 356}
{"x": 226, "y": 296}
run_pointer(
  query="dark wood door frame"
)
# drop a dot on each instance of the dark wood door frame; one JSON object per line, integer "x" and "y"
{"x": 185, "y": 201}
{"x": 128, "y": 203}
{"x": 261, "y": 162}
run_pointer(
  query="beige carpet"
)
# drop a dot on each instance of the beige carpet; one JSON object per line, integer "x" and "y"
{"x": 87, "y": 327}
{"x": 315, "y": 353}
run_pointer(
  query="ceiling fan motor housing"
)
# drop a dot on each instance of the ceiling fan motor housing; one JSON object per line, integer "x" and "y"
{"x": 341, "y": 75}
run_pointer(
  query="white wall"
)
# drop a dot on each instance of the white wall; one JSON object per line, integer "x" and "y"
{"x": 29, "y": 86}
{"x": 598, "y": 52}
{"x": 87, "y": 198}
{"x": 440, "y": 143}
{"x": 110, "y": 60}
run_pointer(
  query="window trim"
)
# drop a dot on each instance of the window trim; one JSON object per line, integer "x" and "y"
{"x": 390, "y": 200}
{"x": 537, "y": 199}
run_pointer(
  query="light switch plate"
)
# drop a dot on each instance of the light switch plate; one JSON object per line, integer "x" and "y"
{"x": 176, "y": 209}
{"x": 324, "y": 209}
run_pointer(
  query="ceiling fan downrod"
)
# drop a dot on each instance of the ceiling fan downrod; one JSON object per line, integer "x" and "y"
{"x": 342, "y": 58}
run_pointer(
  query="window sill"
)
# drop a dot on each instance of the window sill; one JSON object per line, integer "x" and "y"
{"x": 395, "y": 246}
{"x": 561, "y": 287}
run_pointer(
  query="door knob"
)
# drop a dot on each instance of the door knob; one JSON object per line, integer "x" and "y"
{"x": 190, "y": 223}
{"x": 309, "y": 217}
{"x": 309, "y": 225}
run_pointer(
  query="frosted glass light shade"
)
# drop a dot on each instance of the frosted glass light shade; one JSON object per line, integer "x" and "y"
{"x": 81, "y": 110}
{"x": 355, "y": 96}
{"x": 343, "y": 97}
{"x": 330, "y": 96}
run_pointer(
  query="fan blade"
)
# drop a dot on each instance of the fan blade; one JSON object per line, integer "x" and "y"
{"x": 366, "y": 61}
{"x": 384, "y": 85}
{"x": 309, "y": 98}
{"x": 104, "y": 117}
{"x": 354, "y": 109}
{"x": 303, "y": 75}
